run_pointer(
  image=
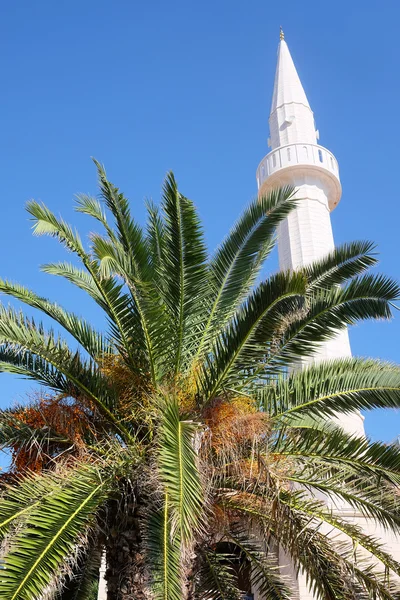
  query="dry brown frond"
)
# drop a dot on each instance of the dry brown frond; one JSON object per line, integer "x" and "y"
{"x": 67, "y": 417}
{"x": 234, "y": 423}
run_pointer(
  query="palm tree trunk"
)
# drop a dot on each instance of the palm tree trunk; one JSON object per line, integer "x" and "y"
{"x": 126, "y": 575}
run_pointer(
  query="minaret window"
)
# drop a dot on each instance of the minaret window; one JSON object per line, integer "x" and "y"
{"x": 321, "y": 158}
{"x": 305, "y": 151}
{"x": 274, "y": 160}
{"x": 288, "y": 153}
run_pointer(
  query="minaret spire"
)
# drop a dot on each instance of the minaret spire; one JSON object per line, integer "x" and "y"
{"x": 291, "y": 119}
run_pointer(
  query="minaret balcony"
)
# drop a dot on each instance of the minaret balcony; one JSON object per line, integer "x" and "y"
{"x": 287, "y": 162}
{"x": 296, "y": 154}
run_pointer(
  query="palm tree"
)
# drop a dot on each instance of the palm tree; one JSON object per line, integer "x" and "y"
{"x": 180, "y": 441}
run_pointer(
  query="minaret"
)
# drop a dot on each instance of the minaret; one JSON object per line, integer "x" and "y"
{"x": 297, "y": 159}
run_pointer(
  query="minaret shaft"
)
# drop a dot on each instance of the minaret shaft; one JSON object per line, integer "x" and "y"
{"x": 306, "y": 234}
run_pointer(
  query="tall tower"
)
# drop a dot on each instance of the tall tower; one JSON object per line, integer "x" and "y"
{"x": 298, "y": 160}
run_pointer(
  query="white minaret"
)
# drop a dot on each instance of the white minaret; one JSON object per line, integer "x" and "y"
{"x": 297, "y": 159}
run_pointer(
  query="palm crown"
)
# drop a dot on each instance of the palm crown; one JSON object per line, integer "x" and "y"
{"x": 180, "y": 440}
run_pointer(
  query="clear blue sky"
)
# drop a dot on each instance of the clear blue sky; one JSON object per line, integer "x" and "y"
{"x": 150, "y": 86}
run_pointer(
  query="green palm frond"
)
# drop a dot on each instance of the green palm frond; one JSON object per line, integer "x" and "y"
{"x": 330, "y": 568}
{"x": 330, "y": 310}
{"x": 32, "y": 366}
{"x": 17, "y": 501}
{"x": 338, "y": 447}
{"x": 82, "y": 582}
{"x": 215, "y": 579}
{"x": 45, "y": 222}
{"x": 118, "y": 307}
{"x": 163, "y": 544}
{"x": 92, "y": 341}
{"x": 318, "y": 512}
{"x": 237, "y": 262}
{"x": 365, "y": 495}
{"x": 266, "y": 576}
{"x": 22, "y": 335}
{"x": 248, "y": 337}
{"x": 339, "y": 386}
{"x": 110, "y": 256}
{"x": 63, "y": 372}
{"x": 341, "y": 265}
{"x": 184, "y": 272}
{"x": 321, "y": 564}
{"x": 51, "y": 530}
{"x": 78, "y": 277}
{"x": 27, "y": 350}
{"x": 375, "y": 583}
{"x": 296, "y": 420}
{"x": 88, "y": 205}
{"x": 149, "y": 314}
{"x": 129, "y": 233}
{"x": 178, "y": 466}
{"x": 155, "y": 237}
{"x": 327, "y": 564}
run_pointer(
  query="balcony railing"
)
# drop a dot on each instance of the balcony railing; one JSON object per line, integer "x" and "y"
{"x": 296, "y": 154}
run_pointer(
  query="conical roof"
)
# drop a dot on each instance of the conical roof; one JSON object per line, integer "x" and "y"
{"x": 287, "y": 86}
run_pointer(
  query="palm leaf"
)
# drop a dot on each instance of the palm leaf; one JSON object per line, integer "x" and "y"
{"x": 318, "y": 512}
{"x": 327, "y": 564}
{"x": 266, "y": 575}
{"x": 340, "y": 265}
{"x": 92, "y": 341}
{"x": 337, "y": 447}
{"x": 27, "y": 350}
{"x": 332, "y": 387}
{"x": 78, "y": 277}
{"x": 184, "y": 272}
{"x": 15, "y": 433}
{"x": 117, "y": 306}
{"x": 237, "y": 262}
{"x": 17, "y": 501}
{"x": 46, "y": 223}
{"x": 51, "y": 531}
{"x": 177, "y": 462}
{"x": 163, "y": 544}
{"x": 216, "y": 579}
{"x": 364, "y": 494}
{"x": 248, "y": 337}
{"x": 25, "y": 336}
{"x": 155, "y": 237}
{"x": 113, "y": 260}
{"x": 129, "y": 233}
{"x": 88, "y": 205}
{"x": 82, "y": 582}
{"x": 329, "y": 310}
